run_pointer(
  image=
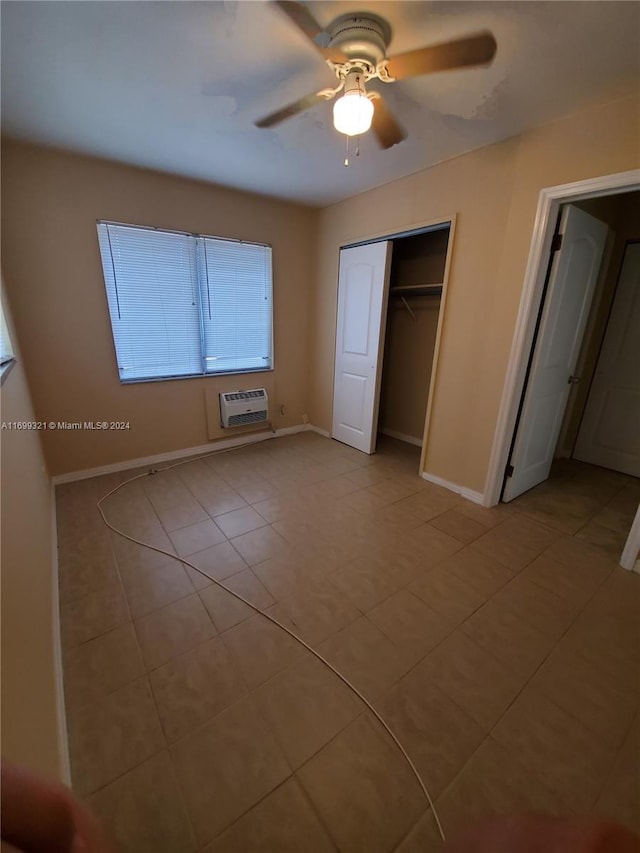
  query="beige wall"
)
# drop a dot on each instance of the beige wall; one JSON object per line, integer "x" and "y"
{"x": 495, "y": 193}
{"x": 30, "y": 731}
{"x": 50, "y": 204}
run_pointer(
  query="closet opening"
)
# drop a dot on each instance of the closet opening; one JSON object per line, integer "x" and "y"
{"x": 415, "y": 290}
{"x": 391, "y": 296}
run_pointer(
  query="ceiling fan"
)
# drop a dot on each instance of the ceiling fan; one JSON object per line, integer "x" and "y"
{"x": 354, "y": 46}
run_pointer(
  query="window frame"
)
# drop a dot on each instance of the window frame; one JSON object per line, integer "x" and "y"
{"x": 7, "y": 357}
{"x": 204, "y": 374}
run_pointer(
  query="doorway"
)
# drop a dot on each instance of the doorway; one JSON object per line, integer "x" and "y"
{"x": 597, "y": 196}
{"x": 551, "y": 199}
{"x": 391, "y": 295}
{"x": 581, "y": 396}
{"x": 608, "y": 433}
{"x": 574, "y": 265}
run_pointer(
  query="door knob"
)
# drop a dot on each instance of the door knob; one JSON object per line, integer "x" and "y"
{"x": 573, "y": 380}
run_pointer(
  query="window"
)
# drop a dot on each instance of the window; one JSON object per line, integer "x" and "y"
{"x": 6, "y": 350}
{"x": 186, "y": 304}
{"x": 7, "y": 358}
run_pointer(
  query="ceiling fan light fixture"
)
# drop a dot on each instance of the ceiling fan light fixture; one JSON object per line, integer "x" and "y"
{"x": 353, "y": 112}
{"x": 354, "y": 46}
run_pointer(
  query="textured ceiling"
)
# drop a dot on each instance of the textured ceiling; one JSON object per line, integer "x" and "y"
{"x": 176, "y": 86}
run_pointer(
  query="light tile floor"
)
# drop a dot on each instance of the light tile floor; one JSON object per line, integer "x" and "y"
{"x": 591, "y": 503}
{"x": 503, "y": 652}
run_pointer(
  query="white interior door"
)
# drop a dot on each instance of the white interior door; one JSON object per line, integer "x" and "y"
{"x": 572, "y": 279}
{"x": 610, "y": 430}
{"x": 363, "y": 289}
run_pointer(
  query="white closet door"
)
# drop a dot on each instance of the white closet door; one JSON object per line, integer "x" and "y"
{"x": 610, "y": 430}
{"x": 363, "y": 289}
{"x": 574, "y": 272}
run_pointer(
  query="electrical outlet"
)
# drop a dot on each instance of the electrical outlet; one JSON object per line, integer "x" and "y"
{"x": 282, "y": 409}
{"x": 305, "y": 418}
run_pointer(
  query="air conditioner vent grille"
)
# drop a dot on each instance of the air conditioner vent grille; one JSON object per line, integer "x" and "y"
{"x": 245, "y": 395}
{"x": 247, "y": 418}
{"x": 239, "y": 408}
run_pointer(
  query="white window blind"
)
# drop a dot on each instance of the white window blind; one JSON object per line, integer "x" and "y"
{"x": 236, "y": 305}
{"x": 183, "y": 305}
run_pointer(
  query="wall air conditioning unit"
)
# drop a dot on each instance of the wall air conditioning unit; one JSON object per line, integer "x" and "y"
{"x": 242, "y": 408}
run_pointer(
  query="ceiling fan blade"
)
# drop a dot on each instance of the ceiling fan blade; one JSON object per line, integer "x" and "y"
{"x": 474, "y": 50}
{"x": 299, "y": 15}
{"x": 290, "y": 110}
{"x": 386, "y": 128}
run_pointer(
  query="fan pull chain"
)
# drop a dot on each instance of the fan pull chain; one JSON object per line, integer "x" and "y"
{"x": 346, "y": 159}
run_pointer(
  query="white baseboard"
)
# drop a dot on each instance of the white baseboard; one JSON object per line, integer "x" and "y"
{"x": 473, "y": 496}
{"x": 401, "y": 436}
{"x": 323, "y": 432}
{"x": 61, "y": 714}
{"x": 294, "y": 429}
{"x": 469, "y": 494}
{"x": 224, "y": 444}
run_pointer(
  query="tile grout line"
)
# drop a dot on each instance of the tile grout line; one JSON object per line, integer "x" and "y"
{"x": 489, "y": 737}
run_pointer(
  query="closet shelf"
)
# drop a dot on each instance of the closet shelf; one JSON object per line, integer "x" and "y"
{"x": 416, "y": 290}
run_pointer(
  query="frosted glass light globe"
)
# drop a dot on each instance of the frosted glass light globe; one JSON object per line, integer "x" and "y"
{"x": 352, "y": 113}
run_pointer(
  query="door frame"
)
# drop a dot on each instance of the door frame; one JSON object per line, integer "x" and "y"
{"x": 410, "y": 231}
{"x": 549, "y": 202}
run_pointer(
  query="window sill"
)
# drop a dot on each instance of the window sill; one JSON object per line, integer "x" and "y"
{"x": 210, "y": 375}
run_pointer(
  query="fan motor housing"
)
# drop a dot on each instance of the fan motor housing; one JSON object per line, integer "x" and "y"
{"x": 361, "y": 36}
